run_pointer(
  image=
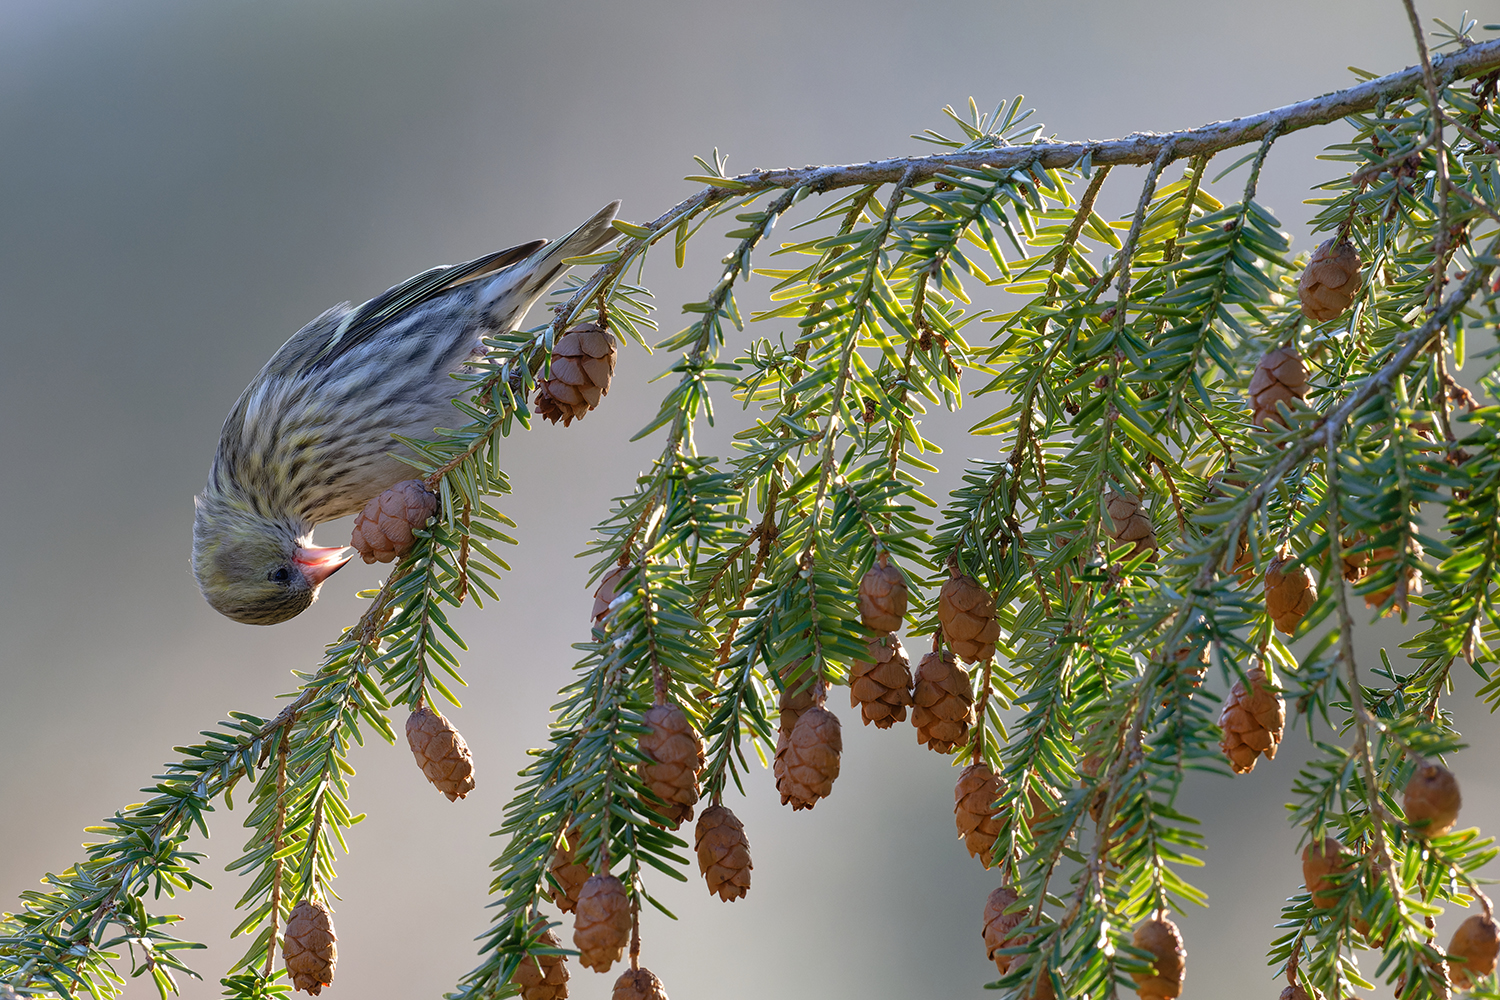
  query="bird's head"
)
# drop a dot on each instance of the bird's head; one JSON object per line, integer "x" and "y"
{"x": 257, "y": 569}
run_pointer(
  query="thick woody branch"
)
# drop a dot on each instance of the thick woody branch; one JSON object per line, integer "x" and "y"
{"x": 1142, "y": 147}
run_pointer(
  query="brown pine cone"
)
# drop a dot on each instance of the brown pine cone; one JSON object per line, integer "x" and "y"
{"x": 807, "y": 759}
{"x": 1407, "y": 583}
{"x": 1252, "y": 720}
{"x": 605, "y": 594}
{"x": 1356, "y": 564}
{"x": 308, "y": 949}
{"x": 1280, "y": 377}
{"x": 881, "y": 686}
{"x": 723, "y": 853}
{"x": 882, "y": 597}
{"x": 543, "y": 977}
{"x": 677, "y": 754}
{"x": 979, "y": 822}
{"x": 1190, "y": 668}
{"x": 1244, "y": 560}
{"x": 1431, "y": 800}
{"x": 639, "y": 984}
{"x": 567, "y": 873}
{"x": 601, "y": 929}
{"x": 797, "y": 684}
{"x": 943, "y": 701}
{"x": 1289, "y": 593}
{"x": 967, "y": 612}
{"x": 999, "y": 927}
{"x": 1476, "y": 943}
{"x": 1330, "y": 282}
{"x": 1294, "y": 993}
{"x": 1320, "y": 859}
{"x": 583, "y": 362}
{"x": 1128, "y": 522}
{"x": 383, "y": 530}
{"x": 1161, "y": 938}
{"x": 441, "y": 752}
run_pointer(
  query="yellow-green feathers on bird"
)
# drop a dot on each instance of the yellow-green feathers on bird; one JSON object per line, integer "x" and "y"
{"x": 310, "y": 438}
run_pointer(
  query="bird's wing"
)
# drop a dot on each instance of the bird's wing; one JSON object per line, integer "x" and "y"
{"x": 362, "y": 323}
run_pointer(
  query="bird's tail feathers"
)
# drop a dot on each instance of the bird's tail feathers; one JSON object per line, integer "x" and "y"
{"x": 508, "y": 296}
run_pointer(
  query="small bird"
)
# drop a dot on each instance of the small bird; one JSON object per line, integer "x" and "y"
{"x": 310, "y": 438}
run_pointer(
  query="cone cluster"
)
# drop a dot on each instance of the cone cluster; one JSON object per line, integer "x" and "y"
{"x": 1289, "y": 593}
{"x": 881, "y": 685}
{"x": 383, "y": 530}
{"x": 1280, "y": 377}
{"x": 1252, "y": 719}
{"x": 943, "y": 702}
{"x": 639, "y": 984}
{"x": 1163, "y": 941}
{"x": 543, "y": 977}
{"x": 1128, "y": 522}
{"x": 1321, "y": 859}
{"x": 723, "y": 853}
{"x": 308, "y": 948}
{"x": 1431, "y": 800}
{"x": 882, "y": 597}
{"x": 583, "y": 362}
{"x": 1330, "y": 281}
{"x": 1476, "y": 944}
{"x": 807, "y": 758}
{"x": 967, "y": 613}
{"x": 601, "y": 928}
{"x": 979, "y": 823}
{"x": 441, "y": 752}
{"x": 676, "y": 754}
{"x": 568, "y": 874}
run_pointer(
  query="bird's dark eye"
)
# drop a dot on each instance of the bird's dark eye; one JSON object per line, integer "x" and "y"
{"x": 279, "y": 575}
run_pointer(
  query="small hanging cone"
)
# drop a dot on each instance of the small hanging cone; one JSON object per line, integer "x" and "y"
{"x": 1289, "y": 593}
{"x": 1252, "y": 720}
{"x": 1407, "y": 583}
{"x": 583, "y": 362}
{"x": 1431, "y": 800}
{"x": 1320, "y": 859}
{"x": 1244, "y": 559}
{"x": 601, "y": 929}
{"x": 441, "y": 752}
{"x": 568, "y": 873}
{"x": 1294, "y": 993}
{"x": 1279, "y": 378}
{"x": 1476, "y": 943}
{"x": 797, "y": 683}
{"x": 543, "y": 977}
{"x": 943, "y": 701}
{"x": 1161, "y": 938}
{"x": 1190, "y": 667}
{"x": 383, "y": 530}
{"x": 979, "y": 823}
{"x": 1128, "y": 522}
{"x": 676, "y": 752}
{"x": 308, "y": 947}
{"x": 882, "y": 597}
{"x": 1330, "y": 282}
{"x": 639, "y": 984}
{"x": 881, "y": 686}
{"x": 999, "y": 927}
{"x": 604, "y": 594}
{"x": 807, "y": 760}
{"x": 967, "y": 612}
{"x": 723, "y": 853}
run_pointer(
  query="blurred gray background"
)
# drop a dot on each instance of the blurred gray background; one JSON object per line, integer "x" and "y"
{"x": 185, "y": 184}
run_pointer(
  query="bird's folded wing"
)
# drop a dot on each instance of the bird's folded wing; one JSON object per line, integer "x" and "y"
{"x": 361, "y": 324}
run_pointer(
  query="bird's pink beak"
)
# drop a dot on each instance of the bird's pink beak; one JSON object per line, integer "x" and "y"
{"x": 318, "y": 565}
